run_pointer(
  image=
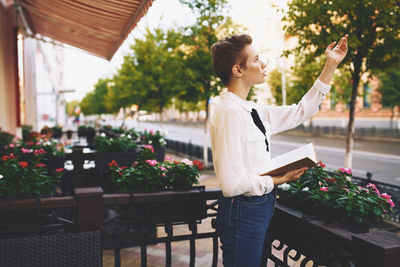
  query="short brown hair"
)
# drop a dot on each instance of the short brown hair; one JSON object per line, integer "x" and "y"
{"x": 228, "y": 52}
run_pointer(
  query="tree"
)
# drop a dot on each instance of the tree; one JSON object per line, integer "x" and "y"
{"x": 390, "y": 88}
{"x": 199, "y": 75}
{"x": 374, "y": 37}
{"x": 148, "y": 76}
{"x": 303, "y": 74}
{"x": 93, "y": 102}
{"x": 275, "y": 84}
{"x": 70, "y": 107}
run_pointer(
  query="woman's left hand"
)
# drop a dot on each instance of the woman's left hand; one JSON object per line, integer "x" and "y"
{"x": 337, "y": 53}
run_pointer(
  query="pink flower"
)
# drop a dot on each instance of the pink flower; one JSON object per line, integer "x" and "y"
{"x": 162, "y": 168}
{"x": 12, "y": 145}
{"x": 151, "y": 162}
{"x": 135, "y": 163}
{"x": 187, "y": 162}
{"x": 325, "y": 189}
{"x": 345, "y": 189}
{"x": 345, "y": 170}
{"x": 151, "y": 132}
{"x": 386, "y": 196}
{"x": 59, "y": 169}
{"x": 167, "y": 158}
{"x": 390, "y": 202}
{"x": 25, "y": 150}
{"x": 373, "y": 187}
{"x": 149, "y": 147}
{"x": 39, "y": 151}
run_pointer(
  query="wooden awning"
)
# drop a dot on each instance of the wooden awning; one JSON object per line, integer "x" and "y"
{"x": 96, "y": 26}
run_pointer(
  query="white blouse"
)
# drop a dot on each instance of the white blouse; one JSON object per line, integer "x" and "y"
{"x": 238, "y": 146}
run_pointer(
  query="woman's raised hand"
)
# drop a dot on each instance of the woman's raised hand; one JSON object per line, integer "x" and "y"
{"x": 337, "y": 53}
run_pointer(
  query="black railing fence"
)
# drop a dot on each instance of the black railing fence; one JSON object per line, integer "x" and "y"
{"x": 360, "y": 132}
{"x": 132, "y": 219}
{"x": 127, "y": 220}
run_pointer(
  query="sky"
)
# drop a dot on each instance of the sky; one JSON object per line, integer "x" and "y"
{"x": 82, "y": 70}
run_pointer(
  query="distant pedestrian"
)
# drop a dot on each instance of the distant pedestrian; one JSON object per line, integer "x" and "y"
{"x": 240, "y": 133}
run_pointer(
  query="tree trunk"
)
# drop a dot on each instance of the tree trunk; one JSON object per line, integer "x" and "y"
{"x": 350, "y": 128}
{"x": 205, "y": 142}
{"x": 392, "y": 117}
{"x": 161, "y": 116}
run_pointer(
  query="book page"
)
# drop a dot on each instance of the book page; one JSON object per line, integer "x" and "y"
{"x": 304, "y": 156}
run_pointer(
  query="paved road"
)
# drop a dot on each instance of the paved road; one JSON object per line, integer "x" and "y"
{"x": 382, "y": 158}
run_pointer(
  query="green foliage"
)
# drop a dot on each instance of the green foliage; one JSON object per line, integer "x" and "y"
{"x": 156, "y": 139}
{"x": 275, "y": 83}
{"x": 341, "y": 88}
{"x": 123, "y": 143}
{"x": 147, "y": 175}
{"x": 57, "y": 131}
{"x": 148, "y": 75}
{"x": 304, "y": 74}
{"x": 374, "y": 36}
{"x": 5, "y": 139}
{"x": 336, "y": 197}
{"x": 373, "y": 28}
{"x": 27, "y": 150}
{"x": 198, "y": 74}
{"x": 86, "y": 131}
{"x": 390, "y": 86}
{"x": 26, "y": 130}
{"x": 70, "y": 107}
{"x": 93, "y": 102}
{"x": 21, "y": 177}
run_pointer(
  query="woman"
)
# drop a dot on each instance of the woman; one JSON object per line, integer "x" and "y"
{"x": 240, "y": 137}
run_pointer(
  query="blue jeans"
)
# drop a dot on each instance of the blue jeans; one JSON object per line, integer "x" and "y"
{"x": 242, "y": 224}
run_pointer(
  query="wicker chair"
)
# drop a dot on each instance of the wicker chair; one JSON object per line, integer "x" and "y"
{"x": 70, "y": 249}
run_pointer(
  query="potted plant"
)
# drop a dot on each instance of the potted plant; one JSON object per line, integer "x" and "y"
{"x": 88, "y": 132}
{"x": 155, "y": 139}
{"x": 57, "y": 132}
{"x": 22, "y": 178}
{"x": 168, "y": 186}
{"x": 147, "y": 174}
{"x": 336, "y": 198}
{"x": 5, "y": 139}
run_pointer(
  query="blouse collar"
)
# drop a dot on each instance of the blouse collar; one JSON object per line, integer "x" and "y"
{"x": 241, "y": 102}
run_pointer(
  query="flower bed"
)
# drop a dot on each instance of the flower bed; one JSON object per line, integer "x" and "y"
{"x": 19, "y": 177}
{"x": 336, "y": 197}
{"x": 148, "y": 175}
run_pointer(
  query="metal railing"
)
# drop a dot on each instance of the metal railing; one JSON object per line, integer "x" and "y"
{"x": 127, "y": 220}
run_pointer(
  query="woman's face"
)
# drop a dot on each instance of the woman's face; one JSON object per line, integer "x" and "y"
{"x": 254, "y": 72}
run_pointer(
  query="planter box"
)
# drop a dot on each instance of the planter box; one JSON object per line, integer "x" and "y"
{"x": 159, "y": 207}
{"x": 319, "y": 240}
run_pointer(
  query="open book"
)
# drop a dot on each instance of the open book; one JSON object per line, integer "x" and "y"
{"x": 304, "y": 156}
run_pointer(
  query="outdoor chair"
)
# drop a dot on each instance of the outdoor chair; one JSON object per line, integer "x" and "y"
{"x": 69, "y": 249}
